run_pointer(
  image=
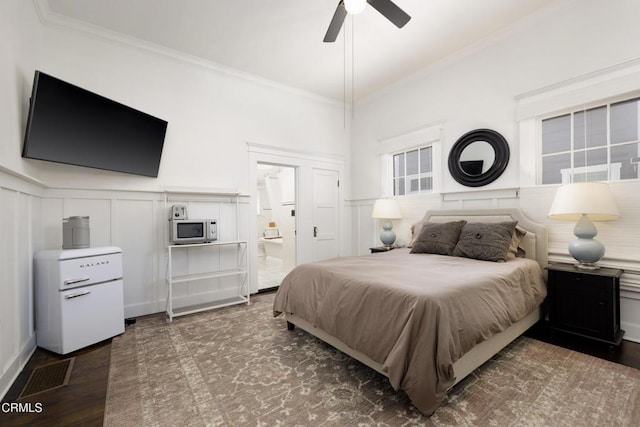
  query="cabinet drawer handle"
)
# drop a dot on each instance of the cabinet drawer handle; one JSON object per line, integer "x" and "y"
{"x": 74, "y": 281}
{"x": 77, "y": 295}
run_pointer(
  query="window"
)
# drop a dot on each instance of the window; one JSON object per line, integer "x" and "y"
{"x": 413, "y": 171}
{"x": 407, "y": 162}
{"x": 597, "y": 144}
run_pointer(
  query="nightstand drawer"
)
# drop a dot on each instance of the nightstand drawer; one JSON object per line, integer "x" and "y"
{"x": 588, "y": 280}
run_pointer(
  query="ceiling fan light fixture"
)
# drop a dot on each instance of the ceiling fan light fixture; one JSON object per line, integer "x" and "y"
{"x": 355, "y": 6}
{"x": 386, "y": 7}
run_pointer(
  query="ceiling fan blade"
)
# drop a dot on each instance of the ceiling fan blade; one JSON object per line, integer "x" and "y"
{"x": 390, "y": 11}
{"x": 336, "y": 23}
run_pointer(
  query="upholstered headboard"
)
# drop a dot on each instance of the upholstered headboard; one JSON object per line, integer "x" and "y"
{"x": 534, "y": 242}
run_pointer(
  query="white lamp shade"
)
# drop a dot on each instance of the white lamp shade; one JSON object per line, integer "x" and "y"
{"x": 593, "y": 199}
{"x": 386, "y": 209}
{"x": 355, "y": 6}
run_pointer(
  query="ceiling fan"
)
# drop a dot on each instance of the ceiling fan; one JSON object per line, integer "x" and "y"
{"x": 386, "y": 7}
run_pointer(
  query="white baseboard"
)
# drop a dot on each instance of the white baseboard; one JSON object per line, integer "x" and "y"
{"x": 136, "y": 310}
{"x": 17, "y": 365}
{"x": 631, "y": 331}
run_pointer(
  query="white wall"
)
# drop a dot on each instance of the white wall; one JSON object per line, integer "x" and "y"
{"x": 212, "y": 113}
{"x": 20, "y": 50}
{"x": 20, "y": 203}
{"x": 478, "y": 88}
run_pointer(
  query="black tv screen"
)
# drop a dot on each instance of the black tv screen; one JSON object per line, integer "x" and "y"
{"x": 71, "y": 125}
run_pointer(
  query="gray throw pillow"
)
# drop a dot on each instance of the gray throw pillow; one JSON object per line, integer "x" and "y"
{"x": 485, "y": 241}
{"x": 438, "y": 238}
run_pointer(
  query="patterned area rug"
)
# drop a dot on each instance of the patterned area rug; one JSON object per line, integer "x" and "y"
{"x": 240, "y": 366}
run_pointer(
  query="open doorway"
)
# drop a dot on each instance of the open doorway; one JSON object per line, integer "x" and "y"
{"x": 276, "y": 223}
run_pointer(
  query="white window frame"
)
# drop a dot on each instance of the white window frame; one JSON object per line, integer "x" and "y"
{"x": 427, "y": 136}
{"x": 408, "y": 178}
{"x": 610, "y": 170}
{"x": 607, "y": 86}
{"x": 613, "y": 169}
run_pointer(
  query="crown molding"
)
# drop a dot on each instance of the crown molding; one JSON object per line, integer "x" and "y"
{"x": 52, "y": 19}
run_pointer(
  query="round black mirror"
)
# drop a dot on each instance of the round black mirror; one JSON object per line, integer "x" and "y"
{"x": 479, "y": 157}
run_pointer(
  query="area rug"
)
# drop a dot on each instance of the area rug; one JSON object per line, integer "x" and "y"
{"x": 240, "y": 366}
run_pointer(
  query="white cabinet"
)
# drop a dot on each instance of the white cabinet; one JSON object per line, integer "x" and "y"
{"x": 213, "y": 263}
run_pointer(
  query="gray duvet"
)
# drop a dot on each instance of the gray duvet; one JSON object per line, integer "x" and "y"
{"x": 415, "y": 314}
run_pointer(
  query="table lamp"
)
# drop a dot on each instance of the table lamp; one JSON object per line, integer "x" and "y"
{"x": 585, "y": 202}
{"x": 387, "y": 209}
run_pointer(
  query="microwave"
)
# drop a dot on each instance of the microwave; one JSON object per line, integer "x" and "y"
{"x": 185, "y": 231}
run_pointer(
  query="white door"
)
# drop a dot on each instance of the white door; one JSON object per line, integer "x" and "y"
{"x": 326, "y": 214}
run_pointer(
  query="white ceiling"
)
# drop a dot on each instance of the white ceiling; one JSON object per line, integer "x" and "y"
{"x": 281, "y": 40}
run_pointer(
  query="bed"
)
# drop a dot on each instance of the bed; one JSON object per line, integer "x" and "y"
{"x": 425, "y": 321}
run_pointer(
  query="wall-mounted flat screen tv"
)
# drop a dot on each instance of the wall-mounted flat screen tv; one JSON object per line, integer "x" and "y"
{"x": 68, "y": 124}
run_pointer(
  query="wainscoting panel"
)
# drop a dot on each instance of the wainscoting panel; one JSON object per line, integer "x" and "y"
{"x": 10, "y": 314}
{"x": 138, "y": 222}
{"x": 20, "y": 236}
{"x": 24, "y": 239}
{"x": 363, "y": 227}
{"x": 51, "y": 222}
{"x": 136, "y": 231}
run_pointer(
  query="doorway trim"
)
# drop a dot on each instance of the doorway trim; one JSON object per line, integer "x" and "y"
{"x": 303, "y": 162}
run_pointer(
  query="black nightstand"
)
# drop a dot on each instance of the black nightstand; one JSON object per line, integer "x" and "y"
{"x": 585, "y": 302}
{"x": 380, "y": 249}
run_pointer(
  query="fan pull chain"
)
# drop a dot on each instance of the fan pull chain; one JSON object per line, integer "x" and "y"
{"x": 344, "y": 79}
{"x": 353, "y": 66}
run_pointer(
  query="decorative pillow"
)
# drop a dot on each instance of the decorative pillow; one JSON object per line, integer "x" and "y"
{"x": 485, "y": 241}
{"x": 515, "y": 251}
{"x": 437, "y": 238}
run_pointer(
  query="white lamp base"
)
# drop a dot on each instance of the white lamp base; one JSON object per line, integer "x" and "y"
{"x": 388, "y": 236}
{"x": 585, "y": 249}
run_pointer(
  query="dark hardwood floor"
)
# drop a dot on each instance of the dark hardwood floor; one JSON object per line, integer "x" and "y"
{"x": 81, "y": 403}
{"x": 627, "y": 353}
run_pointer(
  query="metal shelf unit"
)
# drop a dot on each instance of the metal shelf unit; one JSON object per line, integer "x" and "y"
{"x": 241, "y": 266}
{"x": 240, "y": 271}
